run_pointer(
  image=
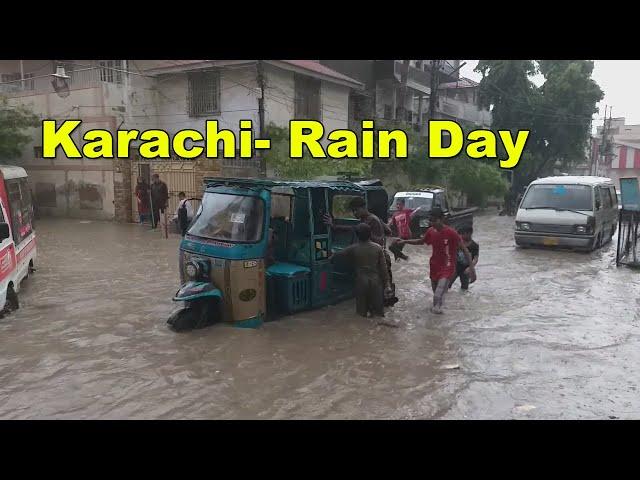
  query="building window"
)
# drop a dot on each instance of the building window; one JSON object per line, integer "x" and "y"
{"x": 359, "y": 106}
{"x": 111, "y": 71}
{"x": 307, "y": 98}
{"x": 10, "y": 77}
{"x": 15, "y": 80}
{"x": 204, "y": 94}
{"x": 29, "y": 82}
{"x": 19, "y": 195}
{"x": 37, "y": 152}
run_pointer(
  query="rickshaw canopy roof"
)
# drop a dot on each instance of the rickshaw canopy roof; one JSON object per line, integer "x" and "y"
{"x": 338, "y": 185}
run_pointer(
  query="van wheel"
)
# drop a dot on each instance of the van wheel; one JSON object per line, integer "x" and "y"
{"x": 12, "y": 302}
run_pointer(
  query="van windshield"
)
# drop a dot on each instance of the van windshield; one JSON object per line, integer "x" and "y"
{"x": 413, "y": 202}
{"x": 559, "y": 197}
{"x": 227, "y": 217}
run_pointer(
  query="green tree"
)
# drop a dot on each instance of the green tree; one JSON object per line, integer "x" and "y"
{"x": 557, "y": 114}
{"x": 477, "y": 180}
{"x": 307, "y": 167}
{"x": 14, "y": 121}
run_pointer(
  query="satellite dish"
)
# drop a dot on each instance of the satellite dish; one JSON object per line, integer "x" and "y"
{"x": 60, "y": 82}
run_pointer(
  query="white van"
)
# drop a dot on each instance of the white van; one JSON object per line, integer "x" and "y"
{"x": 575, "y": 212}
{"x": 17, "y": 236}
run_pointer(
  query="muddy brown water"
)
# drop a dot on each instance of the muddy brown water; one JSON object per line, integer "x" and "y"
{"x": 542, "y": 334}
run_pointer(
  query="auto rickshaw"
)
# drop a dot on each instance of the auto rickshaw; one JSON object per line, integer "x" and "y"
{"x": 259, "y": 248}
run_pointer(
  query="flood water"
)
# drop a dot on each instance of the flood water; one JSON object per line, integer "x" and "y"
{"x": 541, "y": 334}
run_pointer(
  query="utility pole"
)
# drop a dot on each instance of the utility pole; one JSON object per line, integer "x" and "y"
{"x": 22, "y": 74}
{"x": 403, "y": 90}
{"x": 604, "y": 143}
{"x": 435, "y": 83}
{"x": 435, "y": 76}
{"x": 261, "y": 131}
{"x": 591, "y": 152}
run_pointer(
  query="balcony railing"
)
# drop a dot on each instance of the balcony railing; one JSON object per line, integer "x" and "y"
{"x": 85, "y": 78}
{"x": 415, "y": 75}
{"x": 464, "y": 111}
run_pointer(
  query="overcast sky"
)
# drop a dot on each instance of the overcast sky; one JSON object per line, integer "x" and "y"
{"x": 618, "y": 79}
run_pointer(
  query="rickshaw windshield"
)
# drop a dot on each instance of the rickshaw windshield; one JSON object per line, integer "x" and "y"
{"x": 223, "y": 216}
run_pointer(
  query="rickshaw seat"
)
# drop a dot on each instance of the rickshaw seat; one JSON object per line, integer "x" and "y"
{"x": 283, "y": 269}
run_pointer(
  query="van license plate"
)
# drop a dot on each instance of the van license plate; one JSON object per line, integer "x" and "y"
{"x": 550, "y": 242}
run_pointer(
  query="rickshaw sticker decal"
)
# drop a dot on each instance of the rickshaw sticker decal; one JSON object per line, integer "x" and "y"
{"x": 250, "y": 264}
{"x": 247, "y": 295}
{"x": 237, "y": 218}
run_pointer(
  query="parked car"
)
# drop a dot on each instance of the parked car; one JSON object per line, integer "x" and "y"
{"x": 577, "y": 212}
{"x": 422, "y": 200}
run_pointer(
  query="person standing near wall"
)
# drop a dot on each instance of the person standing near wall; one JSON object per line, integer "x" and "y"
{"x": 142, "y": 195}
{"x": 159, "y": 198}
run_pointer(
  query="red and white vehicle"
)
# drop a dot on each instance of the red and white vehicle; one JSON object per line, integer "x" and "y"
{"x": 17, "y": 236}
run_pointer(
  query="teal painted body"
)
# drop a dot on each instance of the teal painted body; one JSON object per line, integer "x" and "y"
{"x": 255, "y": 322}
{"x": 302, "y": 276}
{"x": 191, "y": 291}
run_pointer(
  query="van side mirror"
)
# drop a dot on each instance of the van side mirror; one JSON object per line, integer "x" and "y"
{"x": 4, "y": 231}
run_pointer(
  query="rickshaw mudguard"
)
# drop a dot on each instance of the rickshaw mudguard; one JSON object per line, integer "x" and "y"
{"x": 196, "y": 290}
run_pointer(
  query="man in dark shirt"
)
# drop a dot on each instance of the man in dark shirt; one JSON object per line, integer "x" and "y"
{"x": 372, "y": 276}
{"x": 379, "y": 232}
{"x": 159, "y": 198}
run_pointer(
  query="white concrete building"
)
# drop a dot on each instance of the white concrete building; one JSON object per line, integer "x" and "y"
{"x": 622, "y": 158}
{"x": 171, "y": 95}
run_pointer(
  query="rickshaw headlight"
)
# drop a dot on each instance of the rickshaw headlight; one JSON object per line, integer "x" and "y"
{"x": 192, "y": 270}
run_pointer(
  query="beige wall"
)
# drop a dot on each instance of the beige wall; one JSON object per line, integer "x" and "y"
{"x": 84, "y": 188}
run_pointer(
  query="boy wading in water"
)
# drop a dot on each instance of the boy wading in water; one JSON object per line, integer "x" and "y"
{"x": 372, "y": 277}
{"x": 442, "y": 266}
{"x": 462, "y": 266}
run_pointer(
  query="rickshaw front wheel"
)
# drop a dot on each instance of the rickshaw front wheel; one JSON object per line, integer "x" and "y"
{"x": 198, "y": 314}
{"x": 205, "y": 312}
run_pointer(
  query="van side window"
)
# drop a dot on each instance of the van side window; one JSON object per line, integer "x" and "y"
{"x": 21, "y": 208}
{"x": 614, "y": 196}
{"x": 606, "y": 197}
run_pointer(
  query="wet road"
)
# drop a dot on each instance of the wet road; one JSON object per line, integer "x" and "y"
{"x": 542, "y": 334}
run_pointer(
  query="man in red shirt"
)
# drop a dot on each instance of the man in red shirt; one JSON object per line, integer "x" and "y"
{"x": 402, "y": 221}
{"x": 446, "y": 242}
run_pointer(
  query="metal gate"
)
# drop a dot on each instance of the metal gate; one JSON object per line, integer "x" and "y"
{"x": 179, "y": 175}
